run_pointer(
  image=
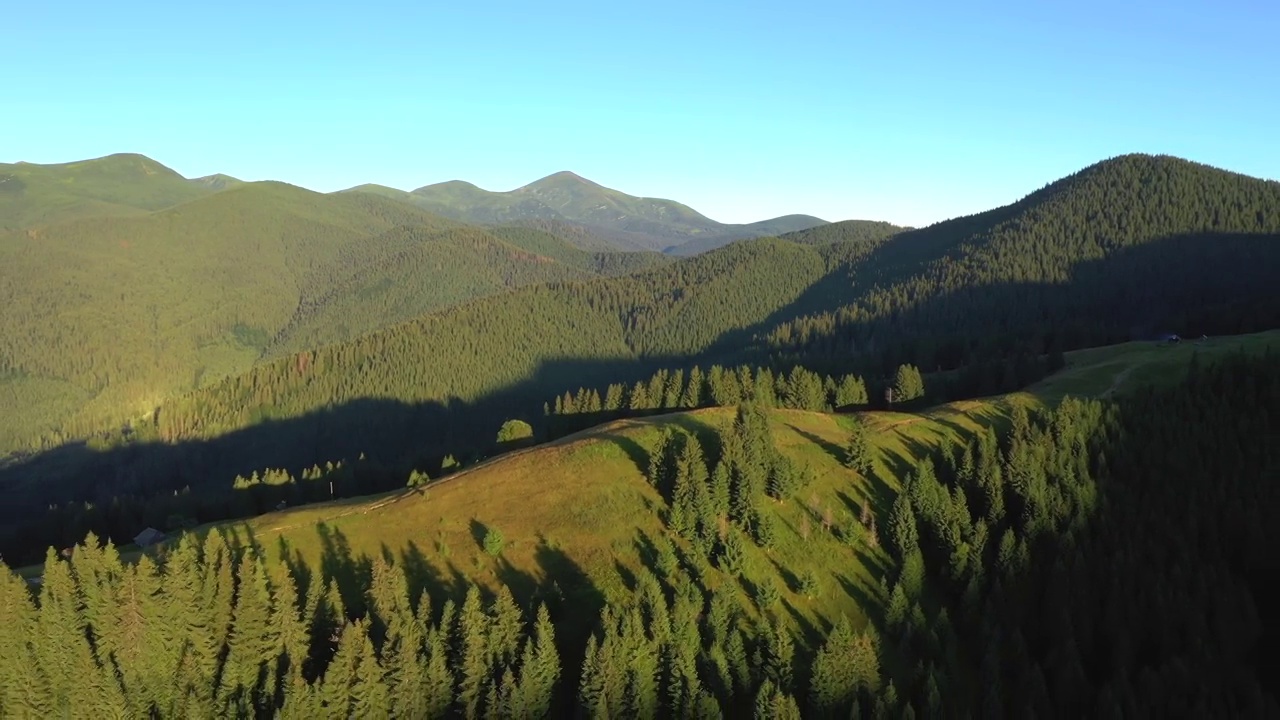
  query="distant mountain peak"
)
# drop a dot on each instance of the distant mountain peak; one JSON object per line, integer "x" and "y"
{"x": 565, "y": 179}
{"x": 448, "y": 186}
{"x": 217, "y": 181}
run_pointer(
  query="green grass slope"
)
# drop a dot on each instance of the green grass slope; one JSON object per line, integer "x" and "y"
{"x": 116, "y": 185}
{"x": 1106, "y": 371}
{"x": 581, "y": 512}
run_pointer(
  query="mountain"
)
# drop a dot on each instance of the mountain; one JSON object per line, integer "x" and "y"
{"x": 108, "y": 316}
{"x": 856, "y": 471}
{"x": 628, "y": 222}
{"x": 113, "y": 186}
{"x": 1129, "y": 247}
{"x": 217, "y": 181}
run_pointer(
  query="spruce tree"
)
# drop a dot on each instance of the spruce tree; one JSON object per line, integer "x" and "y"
{"x": 693, "y": 392}
{"x": 471, "y": 648}
{"x": 907, "y": 384}
{"x": 24, "y": 688}
{"x": 857, "y": 452}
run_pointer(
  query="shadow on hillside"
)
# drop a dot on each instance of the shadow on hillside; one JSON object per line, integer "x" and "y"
{"x": 835, "y": 451}
{"x": 1215, "y": 284}
{"x": 638, "y": 455}
{"x": 557, "y": 582}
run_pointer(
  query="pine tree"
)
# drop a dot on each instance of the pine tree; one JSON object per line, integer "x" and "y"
{"x": 471, "y": 648}
{"x": 638, "y": 398}
{"x": 506, "y": 629}
{"x": 61, "y": 646}
{"x": 24, "y": 687}
{"x": 540, "y": 671}
{"x": 902, "y": 526}
{"x": 369, "y": 690}
{"x": 341, "y": 674}
{"x": 593, "y": 686}
{"x": 438, "y": 681}
{"x": 846, "y": 664}
{"x": 255, "y": 642}
{"x": 613, "y": 397}
{"x": 656, "y": 389}
{"x": 851, "y": 392}
{"x": 693, "y": 392}
{"x": 674, "y": 391}
{"x": 766, "y": 394}
{"x": 857, "y": 454}
{"x": 907, "y": 384}
{"x": 773, "y": 703}
{"x": 732, "y": 553}
{"x": 779, "y": 656}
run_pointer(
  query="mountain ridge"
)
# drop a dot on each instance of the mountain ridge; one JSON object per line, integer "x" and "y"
{"x": 631, "y": 222}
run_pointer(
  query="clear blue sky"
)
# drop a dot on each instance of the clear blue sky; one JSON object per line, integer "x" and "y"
{"x": 906, "y": 111}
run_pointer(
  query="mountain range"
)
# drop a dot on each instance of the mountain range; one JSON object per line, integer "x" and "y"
{"x": 455, "y": 453}
{"x": 129, "y": 184}
{"x": 268, "y": 303}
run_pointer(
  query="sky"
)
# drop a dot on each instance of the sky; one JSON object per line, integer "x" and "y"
{"x": 909, "y": 111}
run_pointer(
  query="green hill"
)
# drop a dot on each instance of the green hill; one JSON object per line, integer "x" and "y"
{"x": 627, "y": 222}
{"x": 1046, "y": 277}
{"x": 725, "y": 560}
{"x": 107, "y": 317}
{"x": 574, "y": 234}
{"x": 554, "y": 244}
{"x": 1130, "y": 247}
{"x": 788, "y": 225}
{"x": 116, "y": 185}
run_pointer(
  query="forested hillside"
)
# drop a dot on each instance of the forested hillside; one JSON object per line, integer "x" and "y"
{"x": 1131, "y": 247}
{"x": 113, "y": 186}
{"x": 108, "y": 317}
{"x": 845, "y": 231}
{"x": 558, "y": 243}
{"x": 999, "y": 558}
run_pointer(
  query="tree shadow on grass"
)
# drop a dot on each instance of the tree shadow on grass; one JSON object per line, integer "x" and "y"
{"x": 638, "y": 455}
{"x": 835, "y": 451}
{"x": 353, "y": 574}
{"x": 871, "y": 606}
{"x": 810, "y": 634}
